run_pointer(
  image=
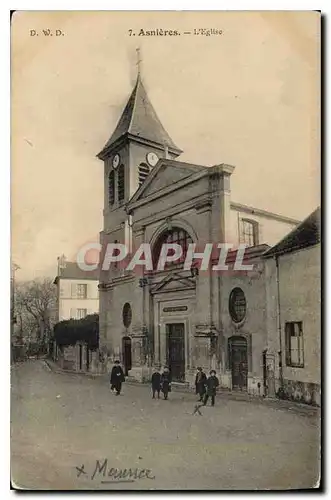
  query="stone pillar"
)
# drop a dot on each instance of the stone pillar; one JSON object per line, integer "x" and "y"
{"x": 221, "y": 232}
{"x": 201, "y": 352}
{"x": 225, "y": 172}
{"x": 139, "y": 299}
{"x": 140, "y": 370}
{"x": 203, "y": 312}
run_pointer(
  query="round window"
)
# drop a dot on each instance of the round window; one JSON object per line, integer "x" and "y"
{"x": 237, "y": 305}
{"x": 127, "y": 315}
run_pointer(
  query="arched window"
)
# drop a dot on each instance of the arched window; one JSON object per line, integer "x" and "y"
{"x": 111, "y": 188}
{"x": 143, "y": 171}
{"x": 121, "y": 183}
{"x": 175, "y": 235}
{"x": 249, "y": 232}
{"x": 237, "y": 305}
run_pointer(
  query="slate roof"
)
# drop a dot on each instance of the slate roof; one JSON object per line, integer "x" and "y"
{"x": 73, "y": 271}
{"x": 304, "y": 235}
{"x": 139, "y": 119}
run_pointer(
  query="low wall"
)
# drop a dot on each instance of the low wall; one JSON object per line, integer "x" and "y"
{"x": 301, "y": 392}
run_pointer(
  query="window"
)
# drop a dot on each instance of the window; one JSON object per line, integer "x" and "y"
{"x": 294, "y": 344}
{"x": 237, "y": 305}
{"x": 111, "y": 188}
{"x": 143, "y": 172}
{"x": 121, "y": 183}
{"x": 81, "y": 291}
{"x": 175, "y": 235}
{"x": 81, "y": 313}
{"x": 115, "y": 253}
{"x": 127, "y": 315}
{"x": 249, "y": 232}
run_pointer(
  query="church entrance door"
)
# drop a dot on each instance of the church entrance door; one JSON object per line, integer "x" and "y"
{"x": 238, "y": 362}
{"x": 176, "y": 350}
{"x": 127, "y": 354}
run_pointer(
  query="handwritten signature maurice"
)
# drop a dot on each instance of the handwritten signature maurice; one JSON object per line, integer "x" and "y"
{"x": 114, "y": 475}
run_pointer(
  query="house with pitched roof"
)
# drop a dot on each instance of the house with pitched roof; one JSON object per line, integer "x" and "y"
{"x": 77, "y": 291}
{"x": 77, "y": 297}
{"x": 293, "y": 319}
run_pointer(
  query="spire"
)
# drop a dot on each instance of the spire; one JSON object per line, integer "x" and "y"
{"x": 140, "y": 120}
{"x": 139, "y": 61}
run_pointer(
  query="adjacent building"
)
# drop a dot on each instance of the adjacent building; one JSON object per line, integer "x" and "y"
{"x": 176, "y": 317}
{"x": 77, "y": 291}
{"x": 77, "y": 296}
{"x": 293, "y": 288}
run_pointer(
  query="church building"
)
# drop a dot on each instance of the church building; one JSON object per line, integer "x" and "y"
{"x": 177, "y": 317}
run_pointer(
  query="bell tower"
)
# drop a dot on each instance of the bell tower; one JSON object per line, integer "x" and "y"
{"x": 132, "y": 151}
{"x": 134, "y": 148}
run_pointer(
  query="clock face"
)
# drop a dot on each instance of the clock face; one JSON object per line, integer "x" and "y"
{"x": 152, "y": 159}
{"x": 116, "y": 161}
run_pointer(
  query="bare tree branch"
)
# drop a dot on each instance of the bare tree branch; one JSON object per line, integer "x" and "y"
{"x": 35, "y": 302}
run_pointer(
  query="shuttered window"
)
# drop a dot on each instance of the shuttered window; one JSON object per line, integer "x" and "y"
{"x": 143, "y": 172}
{"x": 121, "y": 183}
{"x": 111, "y": 188}
{"x": 294, "y": 344}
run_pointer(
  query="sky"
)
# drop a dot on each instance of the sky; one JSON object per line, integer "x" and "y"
{"x": 248, "y": 97}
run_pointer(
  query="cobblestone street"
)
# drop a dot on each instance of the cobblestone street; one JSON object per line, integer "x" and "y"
{"x": 62, "y": 424}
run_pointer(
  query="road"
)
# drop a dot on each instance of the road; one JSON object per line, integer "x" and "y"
{"x": 67, "y": 428}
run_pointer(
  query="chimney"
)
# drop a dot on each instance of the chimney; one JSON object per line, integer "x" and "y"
{"x": 166, "y": 151}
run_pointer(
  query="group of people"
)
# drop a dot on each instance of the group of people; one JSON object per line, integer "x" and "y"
{"x": 206, "y": 387}
{"x": 160, "y": 382}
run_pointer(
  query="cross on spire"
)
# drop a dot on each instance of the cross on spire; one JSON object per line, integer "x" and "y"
{"x": 139, "y": 60}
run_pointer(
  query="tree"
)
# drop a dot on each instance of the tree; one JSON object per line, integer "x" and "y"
{"x": 35, "y": 303}
{"x": 69, "y": 332}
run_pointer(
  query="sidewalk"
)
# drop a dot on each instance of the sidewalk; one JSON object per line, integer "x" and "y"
{"x": 276, "y": 403}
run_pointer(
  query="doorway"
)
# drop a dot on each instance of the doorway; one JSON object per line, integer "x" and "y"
{"x": 127, "y": 354}
{"x": 175, "y": 333}
{"x": 80, "y": 356}
{"x": 238, "y": 362}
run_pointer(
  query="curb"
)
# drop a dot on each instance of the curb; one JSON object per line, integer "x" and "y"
{"x": 281, "y": 404}
{"x": 56, "y": 369}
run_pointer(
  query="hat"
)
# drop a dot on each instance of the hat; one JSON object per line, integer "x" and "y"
{"x": 199, "y": 368}
{"x": 212, "y": 371}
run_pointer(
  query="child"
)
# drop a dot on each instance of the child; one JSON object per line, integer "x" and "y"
{"x": 212, "y": 384}
{"x": 156, "y": 383}
{"x": 166, "y": 382}
{"x": 200, "y": 383}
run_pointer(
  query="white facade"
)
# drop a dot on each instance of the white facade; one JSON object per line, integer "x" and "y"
{"x": 77, "y": 298}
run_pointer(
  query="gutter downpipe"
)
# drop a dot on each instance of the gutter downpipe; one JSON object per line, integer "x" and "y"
{"x": 279, "y": 325}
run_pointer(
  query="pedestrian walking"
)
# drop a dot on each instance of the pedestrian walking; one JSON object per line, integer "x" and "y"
{"x": 212, "y": 384}
{"x": 156, "y": 383}
{"x": 117, "y": 378}
{"x": 166, "y": 382}
{"x": 200, "y": 383}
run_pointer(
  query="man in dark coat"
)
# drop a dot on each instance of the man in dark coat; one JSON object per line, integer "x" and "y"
{"x": 117, "y": 378}
{"x": 166, "y": 382}
{"x": 212, "y": 384}
{"x": 200, "y": 383}
{"x": 156, "y": 383}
